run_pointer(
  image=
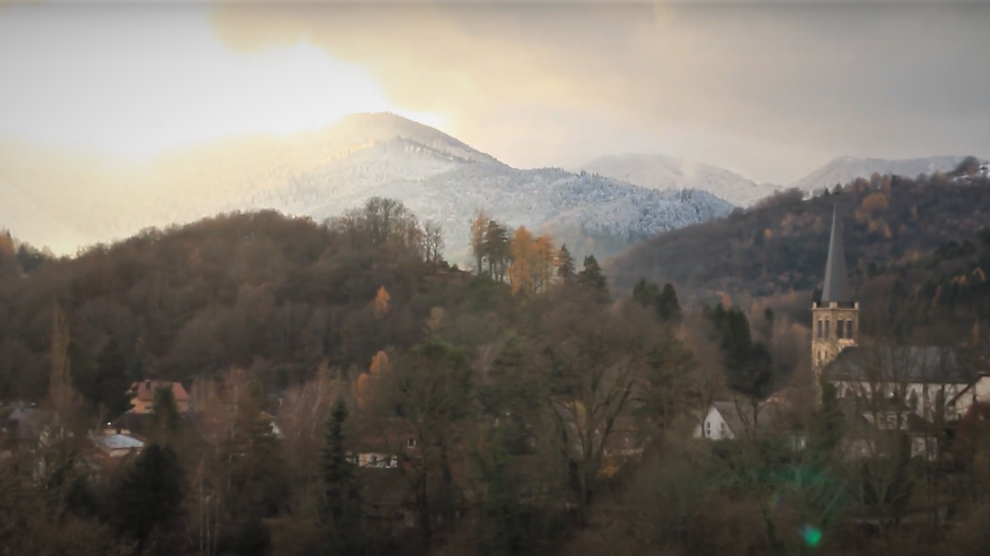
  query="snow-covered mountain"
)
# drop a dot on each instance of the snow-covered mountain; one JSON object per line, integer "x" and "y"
{"x": 846, "y": 169}
{"x": 322, "y": 173}
{"x": 665, "y": 172}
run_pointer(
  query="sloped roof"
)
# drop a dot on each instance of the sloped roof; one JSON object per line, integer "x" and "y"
{"x": 145, "y": 390}
{"x": 738, "y": 417}
{"x": 836, "y": 285}
{"x": 28, "y": 422}
{"x": 919, "y": 364}
{"x": 117, "y": 441}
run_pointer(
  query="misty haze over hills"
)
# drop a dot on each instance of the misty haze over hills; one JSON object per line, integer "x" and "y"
{"x": 65, "y": 200}
{"x": 320, "y": 174}
{"x": 847, "y": 168}
{"x": 666, "y": 172}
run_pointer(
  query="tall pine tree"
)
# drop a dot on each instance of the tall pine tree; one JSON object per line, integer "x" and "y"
{"x": 592, "y": 278}
{"x": 150, "y": 496}
{"x": 109, "y": 388}
{"x": 341, "y": 505}
{"x": 501, "y": 532}
{"x": 668, "y": 307}
{"x": 565, "y": 264}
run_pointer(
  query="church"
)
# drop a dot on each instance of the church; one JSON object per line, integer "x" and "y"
{"x": 932, "y": 382}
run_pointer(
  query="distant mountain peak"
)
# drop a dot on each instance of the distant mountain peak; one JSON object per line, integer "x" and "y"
{"x": 367, "y": 128}
{"x": 664, "y": 172}
{"x": 845, "y": 169}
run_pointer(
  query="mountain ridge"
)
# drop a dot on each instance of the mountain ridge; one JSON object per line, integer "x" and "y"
{"x": 845, "y": 169}
{"x": 659, "y": 171}
{"x": 321, "y": 173}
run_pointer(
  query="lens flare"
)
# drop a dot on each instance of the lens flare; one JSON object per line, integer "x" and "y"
{"x": 811, "y": 535}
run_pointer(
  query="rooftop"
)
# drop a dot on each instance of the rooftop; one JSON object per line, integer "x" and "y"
{"x": 836, "y": 284}
{"x": 145, "y": 390}
{"x": 919, "y": 364}
{"x": 117, "y": 441}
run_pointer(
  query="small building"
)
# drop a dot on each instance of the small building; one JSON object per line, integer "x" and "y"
{"x": 936, "y": 383}
{"x": 117, "y": 445}
{"x": 731, "y": 420}
{"x": 143, "y": 395}
{"x": 26, "y": 423}
{"x": 384, "y": 450}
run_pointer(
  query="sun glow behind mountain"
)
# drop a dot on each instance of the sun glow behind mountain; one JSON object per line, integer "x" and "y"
{"x": 135, "y": 83}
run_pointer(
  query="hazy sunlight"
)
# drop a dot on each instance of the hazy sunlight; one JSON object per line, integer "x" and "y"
{"x": 185, "y": 87}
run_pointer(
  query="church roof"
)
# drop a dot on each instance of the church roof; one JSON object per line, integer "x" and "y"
{"x": 836, "y": 285}
{"x": 887, "y": 364}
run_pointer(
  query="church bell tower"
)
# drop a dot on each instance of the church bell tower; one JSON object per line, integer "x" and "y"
{"x": 835, "y": 323}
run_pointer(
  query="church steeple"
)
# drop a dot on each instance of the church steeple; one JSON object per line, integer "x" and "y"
{"x": 836, "y": 285}
{"x": 835, "y": 319}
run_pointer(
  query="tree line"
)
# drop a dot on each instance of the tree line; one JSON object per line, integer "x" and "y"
{"x": 524, "y": 408}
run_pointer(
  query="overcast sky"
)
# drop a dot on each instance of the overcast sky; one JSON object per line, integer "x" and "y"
{"x": 770, "y": 90}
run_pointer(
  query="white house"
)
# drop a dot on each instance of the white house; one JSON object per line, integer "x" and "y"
{"x": 117, "y": 445}
{"x": 933, "y": 382}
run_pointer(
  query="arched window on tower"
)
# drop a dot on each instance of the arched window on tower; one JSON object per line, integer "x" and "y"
{"x": 839, "y": 329}
{"x": 849, "y": 328}
{"x": 819, "y": 328}
{"x": 827, "y": 327}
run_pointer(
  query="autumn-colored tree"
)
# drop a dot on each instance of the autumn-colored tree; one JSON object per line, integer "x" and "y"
{"x": 381, "y": 303}
{"x": 367, "y": 383}
{"x": 522, "y": 272}
{"x": 6, "y": 244}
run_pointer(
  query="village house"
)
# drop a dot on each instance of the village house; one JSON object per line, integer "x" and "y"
{"x": 117, "y": 445}
{"x": 385, "y": 450}
{"x": 733, "y": 419}
{"x": 143, "y": 395}
{"x": 936, "y": 383}
{"x": 25, "y": 424}
{"x": 881, "y": 388}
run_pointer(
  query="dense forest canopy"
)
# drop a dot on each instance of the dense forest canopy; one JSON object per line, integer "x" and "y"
{"x": 528, "y": 407}
{"x": 780, "y": 245}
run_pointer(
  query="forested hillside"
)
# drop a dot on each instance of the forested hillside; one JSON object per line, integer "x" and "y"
{"x": 351, "y": 393}
{"x": 780, "y": 245}
{"x": 256, "y": 290}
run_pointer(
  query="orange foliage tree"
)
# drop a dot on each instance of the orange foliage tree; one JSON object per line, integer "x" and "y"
{"x": 523, "y": 261}
{"x": 533, "y": 261}
{"x": 367, "y": 382}
{"x": 381, "y": 303}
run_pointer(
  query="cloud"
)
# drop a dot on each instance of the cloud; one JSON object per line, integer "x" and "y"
{"x": 820, "y": 79}
{"x": 769, "y": 89}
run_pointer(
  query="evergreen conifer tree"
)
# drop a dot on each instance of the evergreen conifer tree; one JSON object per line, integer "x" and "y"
{"x": 109, "y": 388}
{"x": 150, "y": 495}
{"x": 591, "y": 277}
{"x": 341, "y": 510}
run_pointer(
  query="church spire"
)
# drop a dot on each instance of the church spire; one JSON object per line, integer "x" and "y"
{"x": 836, "y": 285}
